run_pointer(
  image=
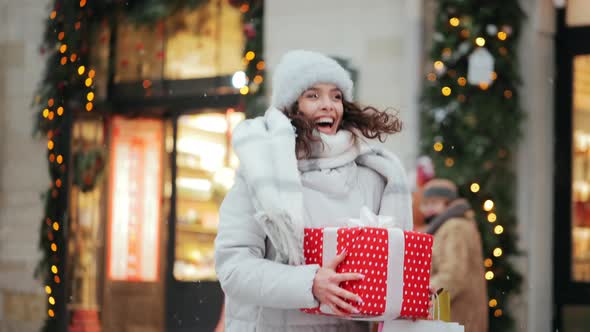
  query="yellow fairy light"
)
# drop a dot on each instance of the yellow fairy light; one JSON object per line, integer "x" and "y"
{"x": 258, "y": 79}
{"x": 73, "y": 57}
{"x": 50, "y": 145}
{"x": 438, "y": 146}
{"x": 492, "y": 217}
{"x": 55, "y": 226}
{"x": 51, "y": 115}
{"x": 494, "y": 76}
{"x": 480, "y": 41}
{"x": 61, "y": 35}
{"x": 250, "y": 55}
{"x": 82, "y": 3}
{"x": 431, "y": 77}
{"x": 53, "y": 247}
{"x": 60, "y": 159}
{"x": 493, "y": 303}
{"x": 81, "y": 70}
{"x": 474, "y": 187}
{"x": 447, "y": 52}
{"x": 260, "y": 65}
{"x": 446, "y": 91}
{"x": 449, "y": 162}
{"x": 47, "y": 289}
{"x": 53, "y": 15}
{"x": 50, "y": 102}
{"x": 88, "y": 82}
{"x": 462, "y": 81}
{"x": 489, "y": 275}
{"x": 499, "y": 229}
{"x": 502, "y": 35}
{"x": 63, "y": 48}
{"x": 90, "y": 96}
{"x": 45, "y": 113}
{"x": 439, "y": 65}
{"x": 488, "y": 262}
{"x": 498, "y": 313}
{"x": 244, "y": 90}
{"x": 50, "y": 313}
{"x": 498, "y": 252}
{"x": 54, "y": 269}
{"x": 60, "y": 111}
{"x": 91, "y": 73}
{"x": 507, "y": 94}
{"x": 488, "y": 205}
{"x": 484, "y": 86}
{"x": 454, "y": 21}
{"x": 89, "y": 107}
{"x": 51, "y": 300}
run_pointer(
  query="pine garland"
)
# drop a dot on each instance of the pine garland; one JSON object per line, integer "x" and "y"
{"x": 471, "y": 131}
{"x": 67, "y": 87}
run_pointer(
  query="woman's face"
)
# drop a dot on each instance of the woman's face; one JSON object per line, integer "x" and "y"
{"x": 322, "y": 104}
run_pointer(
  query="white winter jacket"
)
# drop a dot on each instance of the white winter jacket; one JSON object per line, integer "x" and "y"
{"x": 263, "y": 292}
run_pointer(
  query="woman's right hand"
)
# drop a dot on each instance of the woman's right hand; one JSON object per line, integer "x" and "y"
{"x": 326, "y": 287}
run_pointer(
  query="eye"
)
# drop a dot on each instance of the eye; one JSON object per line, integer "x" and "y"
{"x": 312, "y": 94}
{"x": 338, "y": 96}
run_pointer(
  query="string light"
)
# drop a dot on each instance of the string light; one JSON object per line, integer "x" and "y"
{"x": 244, "y": 90}
{"x": 51, "y": 158}
{"x": 502, "y": 35}
{"x": 56, "y": 279}
{"x": 54, "y": 269}
{"x": 56, "y": 226}
{"x": 60, "y": 111}
{"x": 81, "y": 70}
{"x": 60, "y": 159}
{"x": 454, "y": 21}
{"x": 51, "y": 300}
{"x": 498, "y": 313}
{"x": 493, "y": 303}
{"x": 258, "y": 79}
{"x": 492, "y": 217}
{"x": 499, "y": 229}
{"x": 462, "y": 81}
{"x": 90, "y": 96}
{"x": 63, "y": 48}
{"x": 488, "y": 205}
{"x": 89, "y": 107}
{"x": 489, "y": 275}
{"x": 507, "y": 94}
{"x": 91, "y": 73}
{"x": 260, "y": 65}
{"x": 439, "y": 65}
{"x": 244, "y": 8}
{"x": 50, "y": 313}
{"x": 88, "y": 82}
{"x": 58, "y": 183}
{"x": 488, "y": 262}
{"x": 438, "y": 146}
{"x": 51, "y": 115}
{"x": 64, "y": 60}
{"x": 474, "y": 187}
{"x": 498, "y": 252}
{"x": 61, "y": 36}
{"x": 449, "y": 162}
{"x": 480, "y": 41}
{"x": 50, "y": 102}
{"x": 82, "y": 3}
{"x": 53, "y": 247}
{"x": 73, "y": 57}
{"x": 431, "y": 77}
{"x": 53, "y": 15}
{"x": 50, "y": 144}
{"x": 446, "y": 91}
{"x": 48, "y": 290}
{"x": 45, "y": 113}
{"x": 250, "y": 55}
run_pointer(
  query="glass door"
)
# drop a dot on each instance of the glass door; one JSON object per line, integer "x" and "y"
{"x": 204, "y": 167}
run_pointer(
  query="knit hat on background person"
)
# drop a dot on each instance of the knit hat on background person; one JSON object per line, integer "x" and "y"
{"x": 298, "y": 70}
{"x": 440, "y": 188}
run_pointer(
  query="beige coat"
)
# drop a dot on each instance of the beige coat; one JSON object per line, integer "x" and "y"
{"x": 457, "y": 265}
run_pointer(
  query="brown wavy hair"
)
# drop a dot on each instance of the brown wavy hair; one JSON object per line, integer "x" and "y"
{"x": 368, "y": 121}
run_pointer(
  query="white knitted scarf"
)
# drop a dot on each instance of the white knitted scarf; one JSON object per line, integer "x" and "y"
{"x": 268, "y": 164}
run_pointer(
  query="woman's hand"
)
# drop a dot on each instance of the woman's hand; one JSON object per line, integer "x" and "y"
{"x": 326, "y": 287}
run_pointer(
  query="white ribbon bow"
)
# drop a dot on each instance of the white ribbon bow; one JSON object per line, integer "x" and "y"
{"x": 370, "y": 219}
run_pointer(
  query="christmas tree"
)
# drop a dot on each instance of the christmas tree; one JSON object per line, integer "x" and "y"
{"x": 470, "y": 124}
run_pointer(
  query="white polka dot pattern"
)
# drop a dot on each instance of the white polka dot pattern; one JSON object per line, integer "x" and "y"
{"x": 418, "y": 250}
{"x": 367, "y": 249}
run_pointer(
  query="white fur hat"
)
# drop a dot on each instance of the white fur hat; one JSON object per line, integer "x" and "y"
{"x": 298, "y": 70}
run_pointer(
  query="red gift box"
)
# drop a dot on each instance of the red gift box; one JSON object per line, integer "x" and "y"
{"x": 396, "y": 265}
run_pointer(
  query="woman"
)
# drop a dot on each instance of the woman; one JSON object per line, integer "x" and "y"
{"x": 305, "y": 163}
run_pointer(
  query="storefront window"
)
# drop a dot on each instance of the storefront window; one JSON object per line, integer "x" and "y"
{"x": 205, "y": 172}
{"x": 198, "y": 43}
{"x": 581, "y": 171}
